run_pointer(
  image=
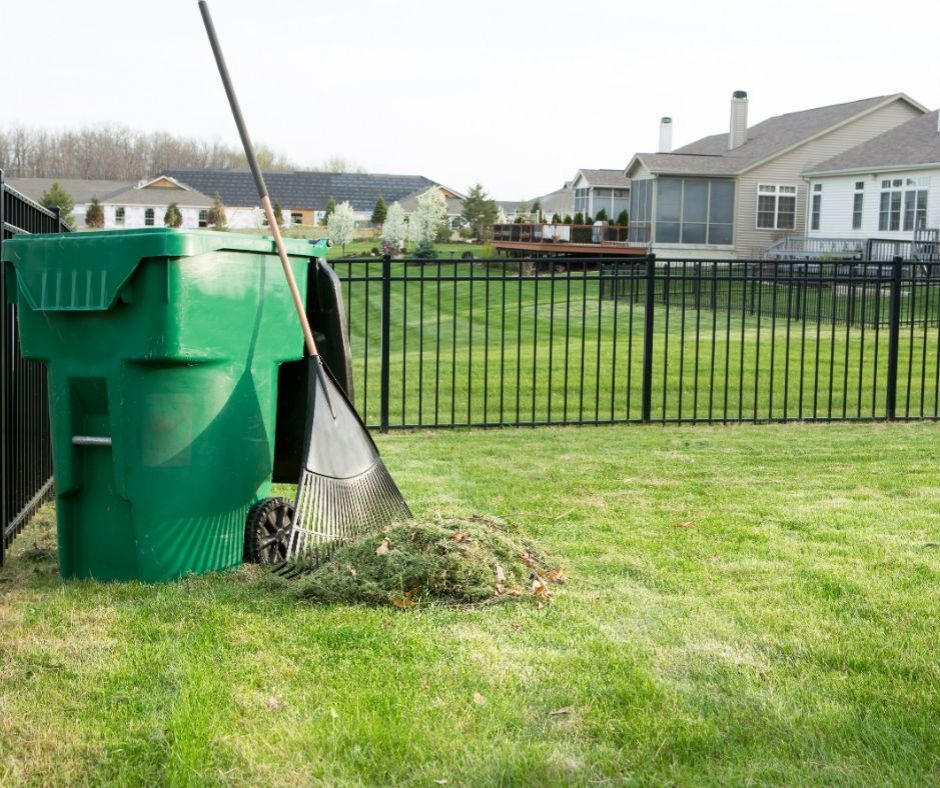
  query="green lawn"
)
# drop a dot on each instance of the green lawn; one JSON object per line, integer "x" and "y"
{"x": 786, "y": 634}
{"x": 469, "y": 345}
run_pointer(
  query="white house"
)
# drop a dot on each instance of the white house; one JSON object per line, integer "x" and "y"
{"x": 601, "y": 190}
{"x": 887, "y": 187}
{"x": 125, "y": 204}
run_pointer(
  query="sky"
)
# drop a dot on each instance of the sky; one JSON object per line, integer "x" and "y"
{"x": 516, "y": 95}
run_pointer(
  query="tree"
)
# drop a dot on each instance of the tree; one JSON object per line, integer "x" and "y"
{"x": 578, "y": 218}
{"x": 94, "y": 216}
{"x": 341, "y": 225}
{"x": 379, "y": 212}
{"x": 60, "y": 198}
{"x": 428, "y": 216}
{"x": 330, "y": 207}
{"x": 216, "y": 215}
{"x": 588, "y": 219}
{"x": 337, "y": 164}
{"x": 623, "y": 218}
{"x": 278, "y": 214}
{"x": 537, "y": 210}
{"x": 567, "y": 219}
{"x": 173, "y": 217}
{"x": 394, "y": 229}
{"x": 480, "y": 212}
{"x": 601, "y": 215}
{"x": 556, "y": 219}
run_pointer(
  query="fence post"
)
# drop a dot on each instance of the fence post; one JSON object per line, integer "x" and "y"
{"x": 647, "y": 398}
{"x": 386, "y": 333}
{"x": 5, "y": 469}
{"x": 894, "y": 336}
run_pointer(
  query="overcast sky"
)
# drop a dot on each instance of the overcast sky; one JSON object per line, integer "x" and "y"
{"x": 516, "y": 95}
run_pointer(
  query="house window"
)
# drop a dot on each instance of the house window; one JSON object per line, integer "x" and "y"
{"x": 915, "y": 209}
{"x": 641, "y": 211}
{"x": 858, "y": 202}
{"x": 119, "y": 217}
{"x": 148, "y": 217}
{"x": 817, "y": 204}
{"x": 581, "y": 200}
{"x": 204, "y": 218}
{"x": 694, "y": 211}
{"x": 296, "y": 218}
{"x": 776, "y": 206}
{"x": 914, "y": 202}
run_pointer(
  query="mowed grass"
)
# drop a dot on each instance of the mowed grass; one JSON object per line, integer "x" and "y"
{"x": 475, "y": 344}
{"x": 745, "y": 605}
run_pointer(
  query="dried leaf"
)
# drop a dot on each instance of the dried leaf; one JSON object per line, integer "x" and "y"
{"x": 563, "y": 710}
{"x": 478, "y": 699}
{"x": 413, "y": 535}
{"x": 556, "y": 575}
{"x": 528, "y": 560}
{"x": 457, "y": 536}
{"x": 539, "y": 605}
{"x": 334, "y": 714}
{"x": 540, "y": 589}
{"x": 351, "y": 570}
{"x": 405, "y": 600}
{"x": 500, "y": 588}
{"x": 500, "y": 574}
{"x": 516, "y": 626}
{"x": 713, "y": 558}
{"x": 441, "y": 782}
{"x": 383, "y": 549}
{"x": 512, "y": 592}
{"x": 273, "y": 703}
{"x": 686, "y": 524}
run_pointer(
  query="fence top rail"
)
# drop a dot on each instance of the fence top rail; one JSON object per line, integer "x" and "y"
{"x": 629, "y": 260}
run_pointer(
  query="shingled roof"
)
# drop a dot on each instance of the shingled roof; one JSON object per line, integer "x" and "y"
{"x": 769, "y": 138}
{"x": 912, "y": 144}
{"x": 309, "y": 190}
{"x": 614, "y": 179}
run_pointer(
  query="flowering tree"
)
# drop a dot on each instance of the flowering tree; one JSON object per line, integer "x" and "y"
{"x": 428, "y": 217}
{"x": 341, "y": 224}
{"x": 394, "y": 229}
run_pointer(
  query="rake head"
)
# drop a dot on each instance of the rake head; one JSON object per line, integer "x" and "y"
{"x": 345, "y": 490}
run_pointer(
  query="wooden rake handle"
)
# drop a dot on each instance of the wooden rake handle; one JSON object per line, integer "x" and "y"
{"x": 259, "y": 178}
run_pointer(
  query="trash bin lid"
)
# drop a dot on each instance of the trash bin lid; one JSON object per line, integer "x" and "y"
{"x": 85, "y": 271}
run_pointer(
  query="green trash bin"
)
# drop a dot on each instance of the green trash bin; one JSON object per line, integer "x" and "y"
{"x": 162, "y": 348}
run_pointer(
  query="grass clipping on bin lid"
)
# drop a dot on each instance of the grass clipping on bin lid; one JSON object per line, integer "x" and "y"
{"x": 447, "y": 560}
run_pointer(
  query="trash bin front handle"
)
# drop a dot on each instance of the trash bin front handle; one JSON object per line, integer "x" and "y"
{"x": 258, "y": 177}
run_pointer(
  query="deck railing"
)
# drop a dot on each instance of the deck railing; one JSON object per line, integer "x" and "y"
{"x": 561, "y": 233}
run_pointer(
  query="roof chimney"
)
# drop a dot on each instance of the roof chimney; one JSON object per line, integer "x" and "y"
{"x": 738, "y": 134}
{"x": 665, "y": 135}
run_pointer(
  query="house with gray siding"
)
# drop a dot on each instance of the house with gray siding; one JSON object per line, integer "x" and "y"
{"x": 731, "y": 195}
{"x": 597, "y": 190}
{"x": 885, "y": 188}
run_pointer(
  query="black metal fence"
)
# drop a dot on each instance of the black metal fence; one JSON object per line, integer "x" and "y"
{"x": 448, "y": 343}
{"x": 840, "y": 292}
{"x": 26, "y": 475}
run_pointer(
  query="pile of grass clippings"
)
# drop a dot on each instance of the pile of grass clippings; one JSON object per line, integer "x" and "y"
{"x": 445, "y": 560}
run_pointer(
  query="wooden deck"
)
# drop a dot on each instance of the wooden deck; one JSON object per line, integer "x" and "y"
{"x": 579, "y": 250}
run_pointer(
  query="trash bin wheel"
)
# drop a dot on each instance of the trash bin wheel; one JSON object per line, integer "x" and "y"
{"x": 266, "y": 531}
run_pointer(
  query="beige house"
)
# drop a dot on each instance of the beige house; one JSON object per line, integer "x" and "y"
{"x": 733, "y": 194}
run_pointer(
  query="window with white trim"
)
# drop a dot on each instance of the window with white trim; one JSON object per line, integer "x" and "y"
{"x": 776, "y": 206}
{"x": 858, "y": 202}
{"x": 148, "y": 217}
{"x": 914, "y": 213}
{"x": 817, "y": 205}
{"x": 119, "y": 216}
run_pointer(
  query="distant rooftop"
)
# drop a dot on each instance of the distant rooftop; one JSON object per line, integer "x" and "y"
{"x": 309, "y": 190}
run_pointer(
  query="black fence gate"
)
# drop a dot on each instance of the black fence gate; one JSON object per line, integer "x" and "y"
{"x": 25, "y": 452}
